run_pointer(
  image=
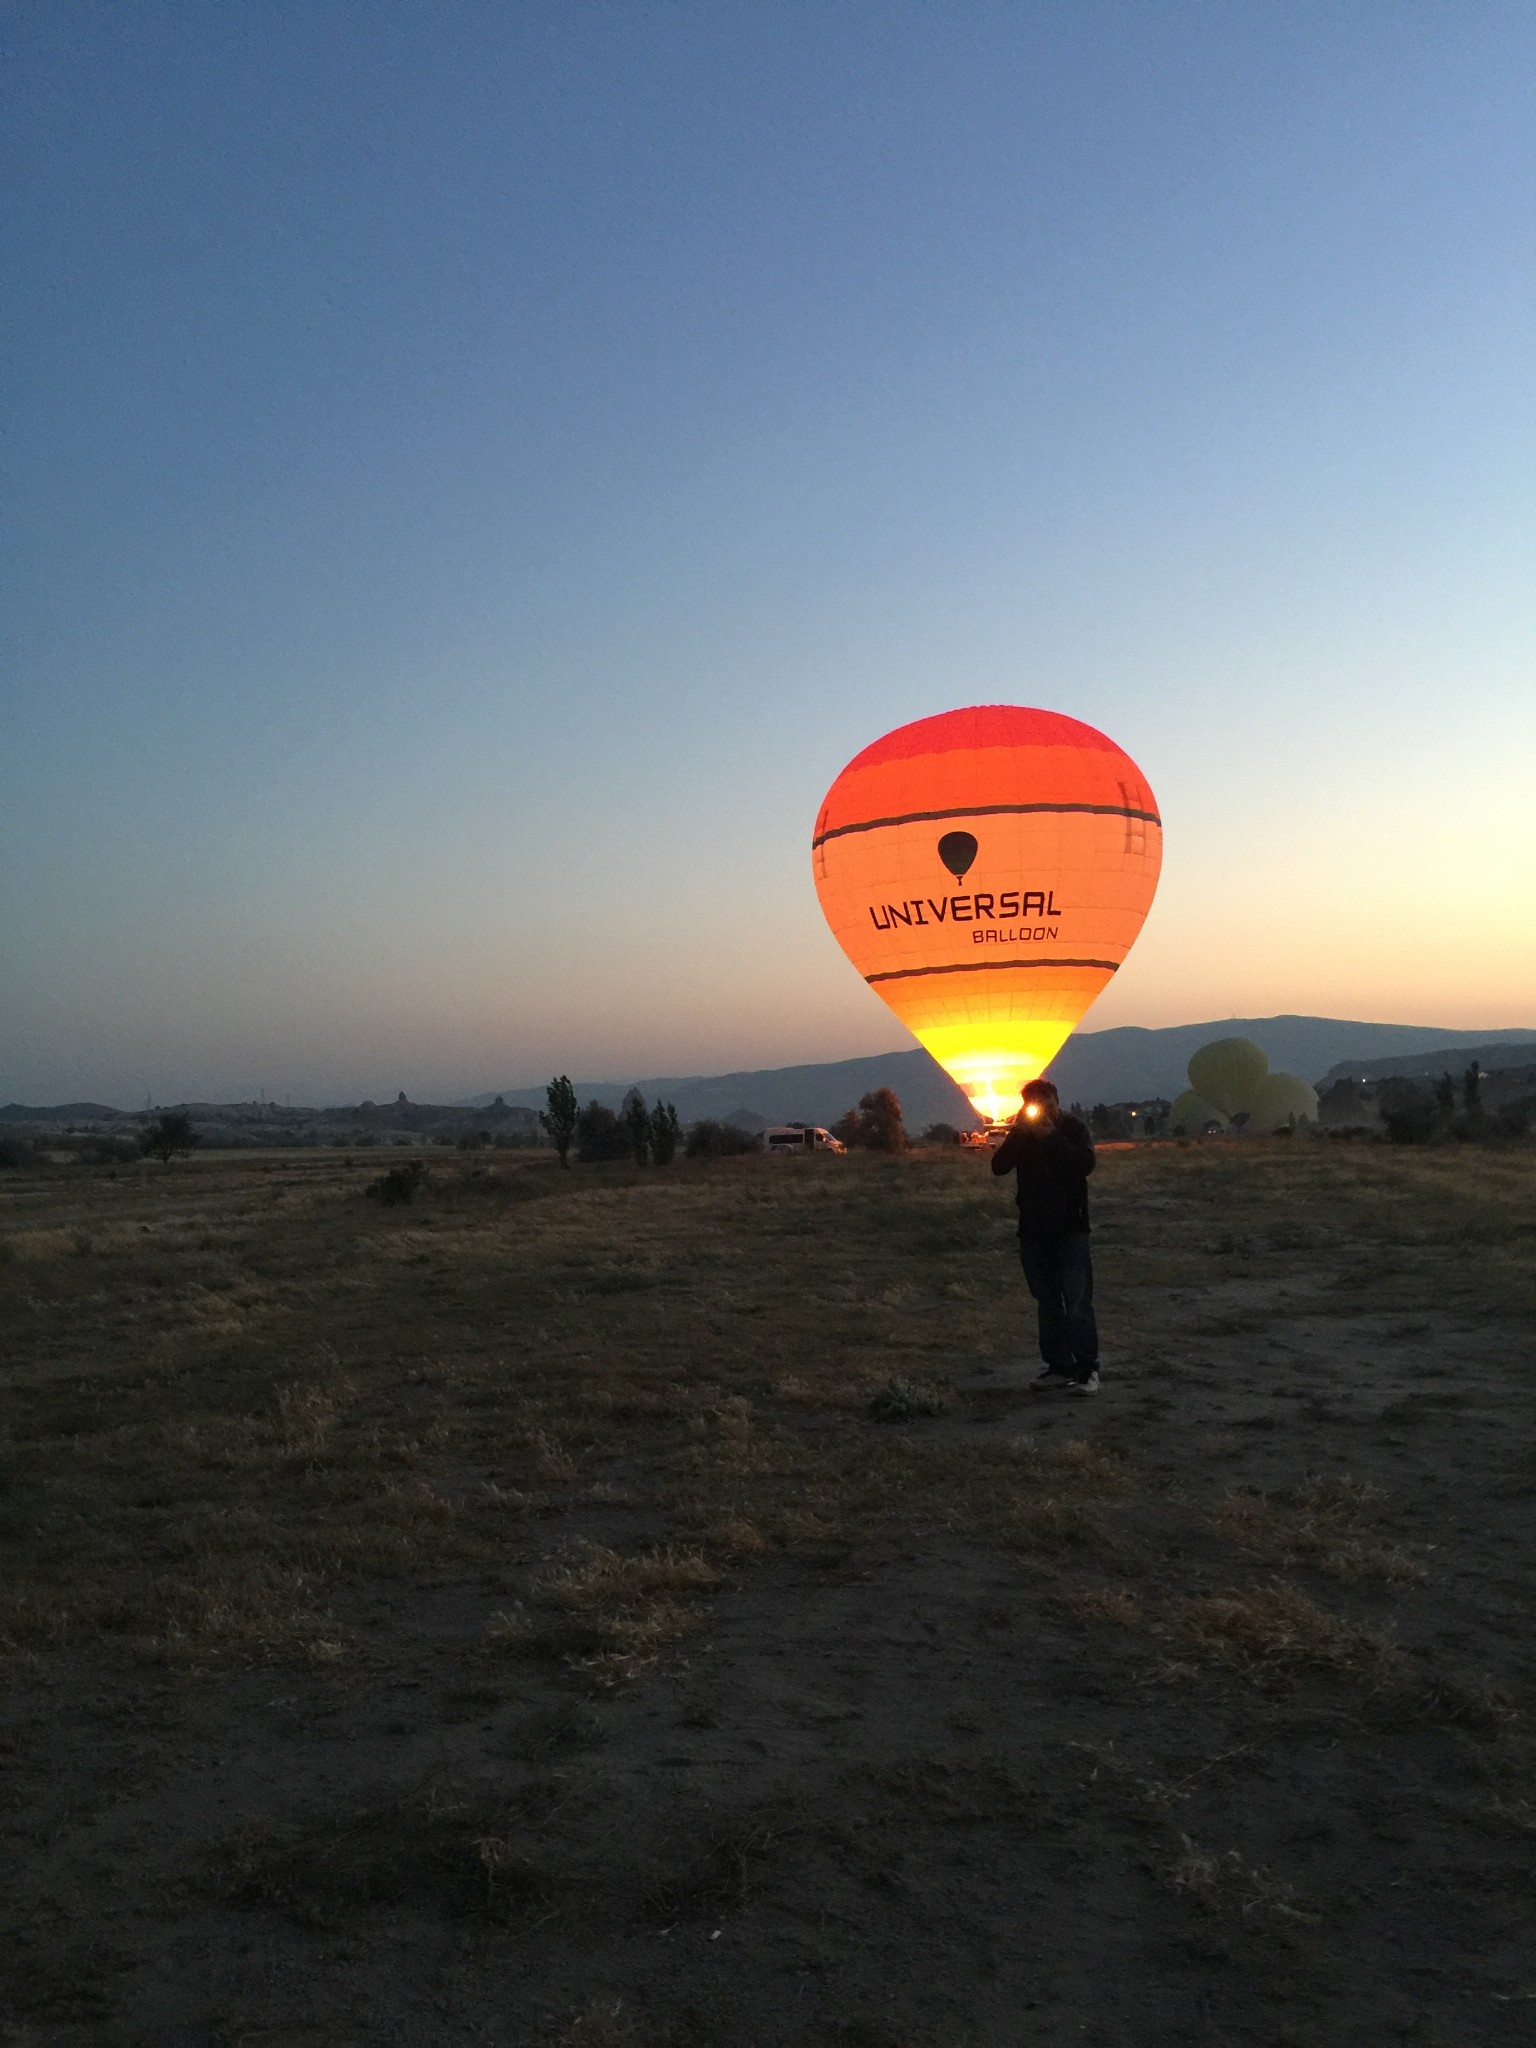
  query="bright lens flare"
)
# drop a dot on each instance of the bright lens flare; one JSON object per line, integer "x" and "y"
{"x": 987, "y": 871}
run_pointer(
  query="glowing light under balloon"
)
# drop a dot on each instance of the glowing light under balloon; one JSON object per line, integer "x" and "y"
{"x": 986, "y": 871}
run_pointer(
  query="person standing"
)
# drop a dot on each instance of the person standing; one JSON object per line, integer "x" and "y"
{"x": 1052, "y": 1155}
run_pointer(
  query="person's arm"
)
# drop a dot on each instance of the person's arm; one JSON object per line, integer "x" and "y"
{"x": 1073, "y": 1147}
{"x": 1006, "y": 1157}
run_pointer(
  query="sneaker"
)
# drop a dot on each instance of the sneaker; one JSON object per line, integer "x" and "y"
{"x": 1083, "y": 1388}
{"x": 1051, "y": 1381}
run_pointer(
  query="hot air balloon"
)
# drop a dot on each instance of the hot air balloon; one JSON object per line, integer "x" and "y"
{"x": 1192, "y": 1116}
{"x": 987, "y": 871}
{"x": 1229, "y": 1072}
{"x": 1281, "y": 1099}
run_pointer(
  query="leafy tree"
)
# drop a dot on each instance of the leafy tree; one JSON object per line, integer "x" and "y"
{"x": 1471, "y": 1088}
{"x": 1343, "y": 1103}
{"x": 881, "y": 1128}
{"x": 1445, "y": 1096}
{"x": 600, "y": 1135}
{"x": 847, "y": 1129}
{"x": 1408, "y": 1112}
{"x": 559, "y": 1119}
{"x": 708, "y": 1139}
{"x": 170, "y": 1134}
{"x": 1109, "y": 1120}
{"x": 1515, "y": 1118}
{"x": 665, "y": 1132}
{"x": 636, "y": 1119}
{"x": 940, "y": 1134}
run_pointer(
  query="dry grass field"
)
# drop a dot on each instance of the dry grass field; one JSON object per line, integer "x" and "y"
{"x": 597, "y": 1610}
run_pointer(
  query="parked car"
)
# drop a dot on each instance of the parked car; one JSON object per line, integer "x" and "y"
{"x": 800, "y": 1138}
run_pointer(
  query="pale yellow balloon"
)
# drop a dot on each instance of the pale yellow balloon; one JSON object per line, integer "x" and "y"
{"x": 1192, "y": 1116}
{"x": 1229, "y": 1072}
{"x": 1281, "y": 1097}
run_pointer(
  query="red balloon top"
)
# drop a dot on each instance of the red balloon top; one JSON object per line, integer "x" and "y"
{"x": 981, "y": 725}
{"x": 986, "y": 754}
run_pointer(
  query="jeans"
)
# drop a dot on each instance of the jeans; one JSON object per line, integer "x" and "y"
{"x": 1059, "y": 1271}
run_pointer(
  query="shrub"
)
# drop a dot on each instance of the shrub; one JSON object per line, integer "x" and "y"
{"x": 398, "y": 1185}
{"x": 941, "y": 1134}
{"x": 20, "y": 1152}
{"x": 708, "y": 1139}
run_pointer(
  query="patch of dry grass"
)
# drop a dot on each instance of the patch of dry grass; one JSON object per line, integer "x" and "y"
{"x": 950, "y": 1786}
{"x": 243, "y": 1403}
{"x": 1322, "y": 1523}
{"x": 1277, "y": 1631}
{"x": 1101, "y": 1605}
{"x": 257, "y": 1385}
{"x": 901, "y": 1400}
{"x": 601, "y": 2023}
{"x": 467, "y": 1852}
{"x": 1156, "y": 1797}
{"x": 1228, "y": 1883}
{"x": 607, "y": 1615}
{"x": 709, "y": 1874}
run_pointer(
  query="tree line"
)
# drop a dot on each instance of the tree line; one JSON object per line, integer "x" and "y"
{"x": 651, "y": 1136}
{"x": 1414, "y": 1114}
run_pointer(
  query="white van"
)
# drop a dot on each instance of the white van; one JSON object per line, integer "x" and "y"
{"x": 800, "y": 1138}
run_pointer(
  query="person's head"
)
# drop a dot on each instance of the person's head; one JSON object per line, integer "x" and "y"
{"x": 1041, "y": 1102}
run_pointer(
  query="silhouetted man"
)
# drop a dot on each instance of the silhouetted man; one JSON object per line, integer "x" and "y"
{"x": 1052, "y": 1155}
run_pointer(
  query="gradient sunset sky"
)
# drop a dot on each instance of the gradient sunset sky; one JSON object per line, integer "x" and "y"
{"x": 475, "y": 473}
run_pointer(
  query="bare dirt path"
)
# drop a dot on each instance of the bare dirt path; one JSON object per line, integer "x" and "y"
{"x": 503, "y": 1620}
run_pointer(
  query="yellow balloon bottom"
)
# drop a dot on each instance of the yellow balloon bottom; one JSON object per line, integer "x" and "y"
{"x": 992, "y": 1033}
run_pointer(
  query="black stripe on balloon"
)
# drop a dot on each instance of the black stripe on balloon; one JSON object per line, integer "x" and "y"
{"x": 986, "y": 967}
{"x": 984, "y": 811}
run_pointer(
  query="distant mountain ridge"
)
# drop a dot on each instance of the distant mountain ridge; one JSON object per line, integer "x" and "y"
{"x": 1498, "y": 1057}
{"x": 61, "y": 1113}
{"x": 1130, "y": 1063}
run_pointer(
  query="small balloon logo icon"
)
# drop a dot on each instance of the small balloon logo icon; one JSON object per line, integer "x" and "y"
{"x": 993, "y": 975}
{"x": 957, "y": 850}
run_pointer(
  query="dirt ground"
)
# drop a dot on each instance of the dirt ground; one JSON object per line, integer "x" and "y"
{"x": 505, "y": 1618}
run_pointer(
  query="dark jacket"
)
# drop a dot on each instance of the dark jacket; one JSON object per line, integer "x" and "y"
{"x": 1053, "y": 1166}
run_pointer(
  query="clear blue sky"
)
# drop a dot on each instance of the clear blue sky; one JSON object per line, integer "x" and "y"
{"x": 475, "y": 473}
